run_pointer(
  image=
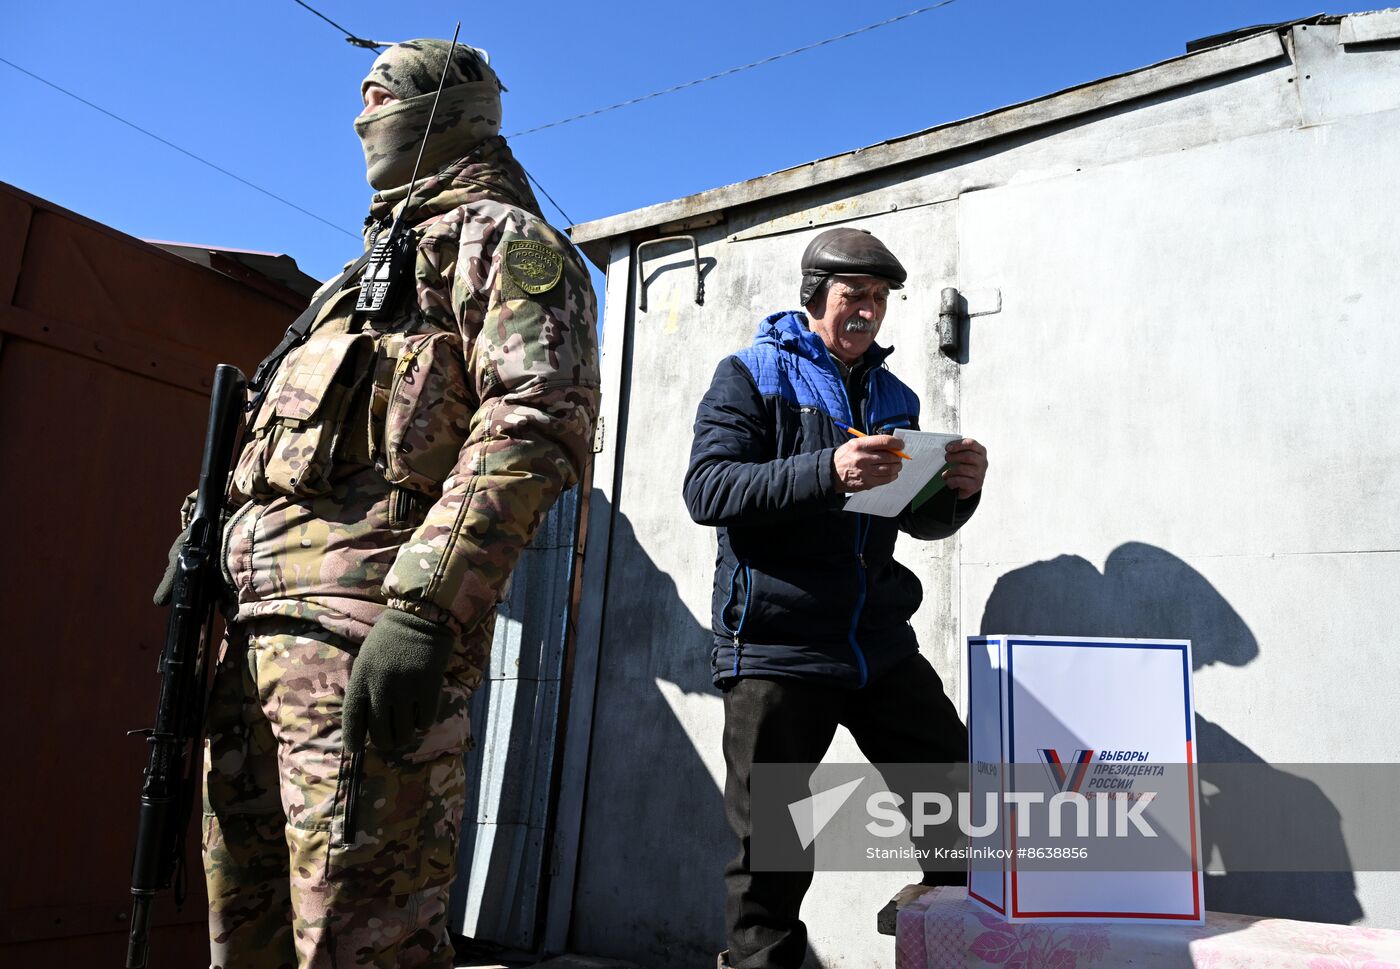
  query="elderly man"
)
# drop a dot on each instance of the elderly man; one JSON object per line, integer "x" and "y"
{"x": 810, "y": 609}
{"x": 398, "y": 459}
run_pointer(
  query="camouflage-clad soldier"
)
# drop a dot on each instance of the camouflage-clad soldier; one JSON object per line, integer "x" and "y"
{"x": 393, "y": 473}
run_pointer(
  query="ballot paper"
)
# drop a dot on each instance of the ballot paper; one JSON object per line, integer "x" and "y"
{"x": 926, "y": 460}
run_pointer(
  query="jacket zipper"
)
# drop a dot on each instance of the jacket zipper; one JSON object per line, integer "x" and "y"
{"x": 404, "y": 364}
{"x": 862, "y": 533}
{"x": 748, "y": 594}
{"x": 401, "y": 369}
{"x": 226, "y": 544}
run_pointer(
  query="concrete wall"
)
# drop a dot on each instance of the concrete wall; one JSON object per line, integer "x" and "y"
{"x": 1188, "y": 398}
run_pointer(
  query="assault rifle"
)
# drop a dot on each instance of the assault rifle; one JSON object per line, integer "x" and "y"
{"x": 176, "y": 740}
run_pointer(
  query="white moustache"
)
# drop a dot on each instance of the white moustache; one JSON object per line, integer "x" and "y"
{"x": 859, "y": 324}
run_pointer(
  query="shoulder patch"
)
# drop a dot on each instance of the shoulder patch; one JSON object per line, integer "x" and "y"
{"x": 533, "y": 266}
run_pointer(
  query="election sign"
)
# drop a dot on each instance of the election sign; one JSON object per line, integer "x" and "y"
{"x": 1082, "y": 782}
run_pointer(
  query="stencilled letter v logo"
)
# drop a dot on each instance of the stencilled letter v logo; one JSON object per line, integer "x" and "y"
{"x": 1066, "y": 777}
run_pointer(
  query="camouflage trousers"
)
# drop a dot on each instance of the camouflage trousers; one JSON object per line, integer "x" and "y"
{"x": 287, "y": 887}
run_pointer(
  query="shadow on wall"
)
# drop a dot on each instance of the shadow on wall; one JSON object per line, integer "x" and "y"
{"x": 655, "y": 839}
{"x": 1145, "y": 592}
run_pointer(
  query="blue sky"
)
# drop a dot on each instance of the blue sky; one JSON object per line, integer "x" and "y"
{"x": 268, "y": 91}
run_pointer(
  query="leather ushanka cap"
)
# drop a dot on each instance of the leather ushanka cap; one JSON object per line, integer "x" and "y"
{"x": 848, "y": 252}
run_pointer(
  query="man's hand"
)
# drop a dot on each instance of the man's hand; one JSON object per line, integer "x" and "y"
{"x": 868, "y": 462}
{"x": 167, "y": 581}
{"x": 969, "y": 467}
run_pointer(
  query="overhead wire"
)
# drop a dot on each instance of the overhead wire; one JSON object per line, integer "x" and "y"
{"x": 537, "y": 185}
{"x": 355, "y": 39}
{"x": 184, "y": 151}
{"x": 731, "y": 71}
{"x": 373, "y": 45}
{"x": 845, "y": 35}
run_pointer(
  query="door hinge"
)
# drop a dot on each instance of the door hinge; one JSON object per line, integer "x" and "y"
{"x": 955, "y": 309}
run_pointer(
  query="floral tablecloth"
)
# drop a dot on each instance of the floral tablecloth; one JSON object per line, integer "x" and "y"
{"x": 943, "y": 930}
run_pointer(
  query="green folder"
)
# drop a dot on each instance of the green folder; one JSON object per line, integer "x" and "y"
{"x": 934, "y": 486}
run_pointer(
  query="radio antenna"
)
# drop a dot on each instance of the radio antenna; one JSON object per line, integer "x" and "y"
{"x": 391, "y": 256}
{"x": 422, "y": 146}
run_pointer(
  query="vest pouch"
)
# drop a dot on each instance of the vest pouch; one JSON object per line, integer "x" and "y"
{"x": 297, "y": 434}
{"x": 428, "y": 413}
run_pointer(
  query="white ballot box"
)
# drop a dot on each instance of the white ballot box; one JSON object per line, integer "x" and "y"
{"x": 1082, "y": 794}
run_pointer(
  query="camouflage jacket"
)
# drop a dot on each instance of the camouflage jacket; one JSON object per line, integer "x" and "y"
{"x": 408, "y": 462}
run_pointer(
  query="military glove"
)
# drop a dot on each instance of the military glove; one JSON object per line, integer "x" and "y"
{"x": 396, "y": 681}
{"x": 167, "y": 581}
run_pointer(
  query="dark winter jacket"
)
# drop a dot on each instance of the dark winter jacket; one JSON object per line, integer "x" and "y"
{"x": 802, "y": 588}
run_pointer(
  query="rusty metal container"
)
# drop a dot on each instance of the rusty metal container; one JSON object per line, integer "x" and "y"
{"x": 107, "y": 349}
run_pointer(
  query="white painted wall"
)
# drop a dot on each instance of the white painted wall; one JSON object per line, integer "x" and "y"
{"x": 1197, "y": 353}
{"x": 1189, "y": 398}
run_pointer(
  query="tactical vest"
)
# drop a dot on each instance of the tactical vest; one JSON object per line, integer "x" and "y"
{"x": 392, "y": 394}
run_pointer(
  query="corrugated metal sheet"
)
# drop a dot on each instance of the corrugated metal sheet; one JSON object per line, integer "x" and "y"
{"x": 502, "y": 857}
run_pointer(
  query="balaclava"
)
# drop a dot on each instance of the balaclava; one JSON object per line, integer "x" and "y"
{"x": 468, "y": 113}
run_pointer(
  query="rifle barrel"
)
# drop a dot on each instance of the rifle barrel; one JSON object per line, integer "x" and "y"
{"x": 172, "y": 767}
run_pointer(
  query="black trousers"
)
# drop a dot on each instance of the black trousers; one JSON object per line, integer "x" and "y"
{"x": 903, "y": 718}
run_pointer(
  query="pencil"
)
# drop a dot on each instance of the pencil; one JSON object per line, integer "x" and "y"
{"x": 855, "y": 433}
